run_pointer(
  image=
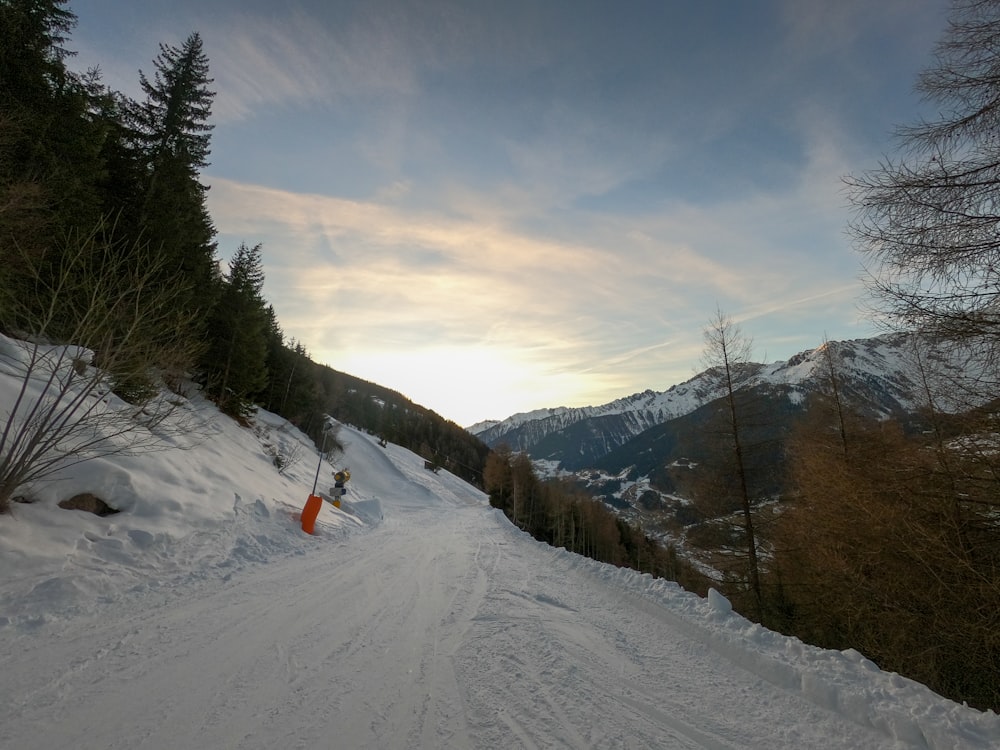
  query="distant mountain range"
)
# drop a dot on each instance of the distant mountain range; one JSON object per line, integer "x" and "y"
{"x": 876, "y": 376}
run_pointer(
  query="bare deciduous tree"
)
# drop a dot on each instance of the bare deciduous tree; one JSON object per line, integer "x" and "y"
{"x": 894, "y": 557}
{"x": 927, "y": 221}
{"x": 727, "y": 356}
{"x": 100, "y": 320}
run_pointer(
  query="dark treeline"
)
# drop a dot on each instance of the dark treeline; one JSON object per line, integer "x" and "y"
{"x": 101, "y": 193}
{"x": 560, "y": 514}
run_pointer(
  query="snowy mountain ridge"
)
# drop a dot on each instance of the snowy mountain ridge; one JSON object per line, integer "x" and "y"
{"x": 875, "y": 371}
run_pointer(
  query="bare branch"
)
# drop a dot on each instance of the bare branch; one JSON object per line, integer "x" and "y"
{"x": 93, "y": 337}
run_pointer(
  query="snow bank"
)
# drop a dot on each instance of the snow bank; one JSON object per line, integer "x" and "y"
{"x": 208, "y": 502}
{"x": 844, "y": 682}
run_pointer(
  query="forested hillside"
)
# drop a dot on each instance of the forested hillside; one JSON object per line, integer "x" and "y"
{"x": 106, "y": 243}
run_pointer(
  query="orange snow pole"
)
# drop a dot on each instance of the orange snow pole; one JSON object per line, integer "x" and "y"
{"x": 315, "y": 502}
{"x": 309, "y": 513}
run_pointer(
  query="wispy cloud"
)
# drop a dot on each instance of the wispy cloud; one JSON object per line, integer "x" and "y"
{"x": 407, "y": 269}
{"x": 264, "y": 61}
{"x": 357, "y": 279}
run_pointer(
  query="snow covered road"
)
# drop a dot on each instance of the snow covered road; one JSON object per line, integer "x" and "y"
{"x": 442, "y": 626}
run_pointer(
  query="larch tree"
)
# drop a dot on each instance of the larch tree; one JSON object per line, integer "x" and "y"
{"x": 497, "y": 477}
{"x": 727, "y": 358}
{"x": 926, "y": 221}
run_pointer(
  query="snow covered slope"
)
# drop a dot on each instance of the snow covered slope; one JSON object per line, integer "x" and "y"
{"x": 202, "y": 617}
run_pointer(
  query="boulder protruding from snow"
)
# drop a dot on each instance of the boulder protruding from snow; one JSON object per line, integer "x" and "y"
{"x": 88, "y": 502}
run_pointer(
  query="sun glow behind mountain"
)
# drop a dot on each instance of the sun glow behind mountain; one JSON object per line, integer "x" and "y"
{"x": 463, "y": 383}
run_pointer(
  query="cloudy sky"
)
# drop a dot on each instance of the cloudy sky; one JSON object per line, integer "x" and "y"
{"x": 494, "y": 206}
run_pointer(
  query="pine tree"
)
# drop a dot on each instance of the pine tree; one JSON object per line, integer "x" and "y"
{"x": 235, "y": 362}
{"x": 32, "y": 59}
{"x": 124, "y": 177}
{"x": 291, "y": 383}
{"x": 49, "y": 142}
{"x": 173, "y": 120}
{"x": 171, "y": 130}
{"x": 50, "y": 139}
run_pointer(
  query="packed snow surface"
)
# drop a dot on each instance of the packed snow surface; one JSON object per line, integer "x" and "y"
{"x": 417, "y": 617}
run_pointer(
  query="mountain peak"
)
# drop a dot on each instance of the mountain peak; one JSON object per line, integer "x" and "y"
{"x": 878, "y": 367}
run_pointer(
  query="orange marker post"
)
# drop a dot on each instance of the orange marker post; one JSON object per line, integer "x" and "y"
{"x": 310, "y": 512}
{"x": 315, "y": 502}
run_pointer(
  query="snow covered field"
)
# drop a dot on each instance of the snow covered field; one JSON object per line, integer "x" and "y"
{"x": 202, "y": 617}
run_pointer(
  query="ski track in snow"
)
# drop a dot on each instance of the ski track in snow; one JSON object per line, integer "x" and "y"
{"x": 440, "y": 626}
